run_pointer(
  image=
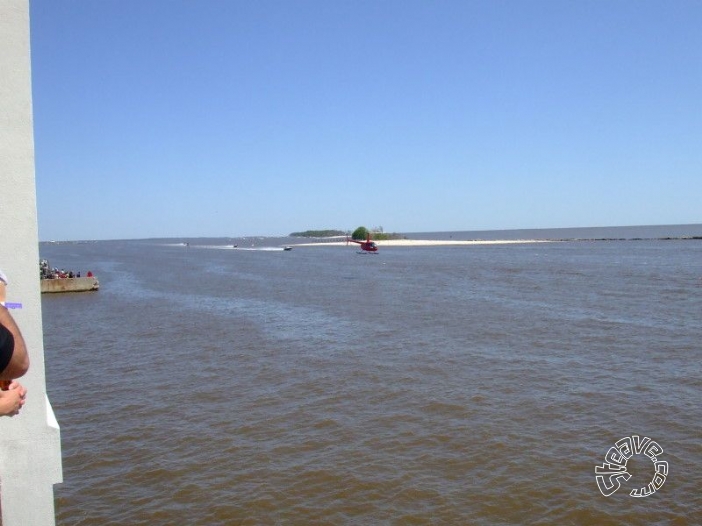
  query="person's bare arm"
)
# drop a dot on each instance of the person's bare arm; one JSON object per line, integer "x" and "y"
{"x": 19, "y": 363}
{"x": 12, "y": 399}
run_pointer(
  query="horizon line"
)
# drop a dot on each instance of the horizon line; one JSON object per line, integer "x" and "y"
{"x": 86, "y": 240}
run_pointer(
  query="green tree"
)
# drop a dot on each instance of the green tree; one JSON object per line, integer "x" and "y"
{"x": 360, "y": 233}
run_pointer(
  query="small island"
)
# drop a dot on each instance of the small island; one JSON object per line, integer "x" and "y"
{"x": 360, "y": 233}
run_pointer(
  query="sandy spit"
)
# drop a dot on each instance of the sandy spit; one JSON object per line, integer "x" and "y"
{"x": 430, "y": 242}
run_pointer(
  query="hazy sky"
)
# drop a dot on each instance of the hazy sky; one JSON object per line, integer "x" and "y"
{"x": 167, "y": 118}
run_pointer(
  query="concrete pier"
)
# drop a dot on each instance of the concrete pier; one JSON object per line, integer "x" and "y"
{"x": 69, "y": 285}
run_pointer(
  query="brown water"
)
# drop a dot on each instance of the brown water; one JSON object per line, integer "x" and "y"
{"x": 464, "y": 385}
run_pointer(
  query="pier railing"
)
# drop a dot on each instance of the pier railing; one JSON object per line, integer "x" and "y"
{"x": 30, "y": 444}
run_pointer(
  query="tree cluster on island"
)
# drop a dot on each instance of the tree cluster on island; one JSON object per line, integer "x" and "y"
{"x": 376, "y": 234}
{"x": 361, "y": 233}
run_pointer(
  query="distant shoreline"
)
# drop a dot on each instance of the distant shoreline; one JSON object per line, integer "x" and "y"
{"x": 429, "y": 242}
{"x": 453, "y": 242}
{"x": 468, "y": 237}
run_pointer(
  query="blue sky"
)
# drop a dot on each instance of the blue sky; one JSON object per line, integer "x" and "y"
{"x": 168, "y": 118}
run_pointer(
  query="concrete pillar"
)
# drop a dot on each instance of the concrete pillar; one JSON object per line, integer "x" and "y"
{"x": 30, "y": 444}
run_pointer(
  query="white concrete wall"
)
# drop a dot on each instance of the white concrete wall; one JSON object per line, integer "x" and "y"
{"x": 30, "y": 446}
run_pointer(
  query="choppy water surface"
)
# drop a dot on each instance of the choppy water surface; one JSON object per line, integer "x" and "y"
{"x": 458, "y": 385}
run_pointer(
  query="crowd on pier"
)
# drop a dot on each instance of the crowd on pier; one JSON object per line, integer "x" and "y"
{"x": 46, "y": 272}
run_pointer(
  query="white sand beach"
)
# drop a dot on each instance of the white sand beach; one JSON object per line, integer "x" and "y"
{"x": 431, "y": 242}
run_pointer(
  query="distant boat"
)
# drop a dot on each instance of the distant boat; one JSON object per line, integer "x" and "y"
{"x": 287, "y": 248}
